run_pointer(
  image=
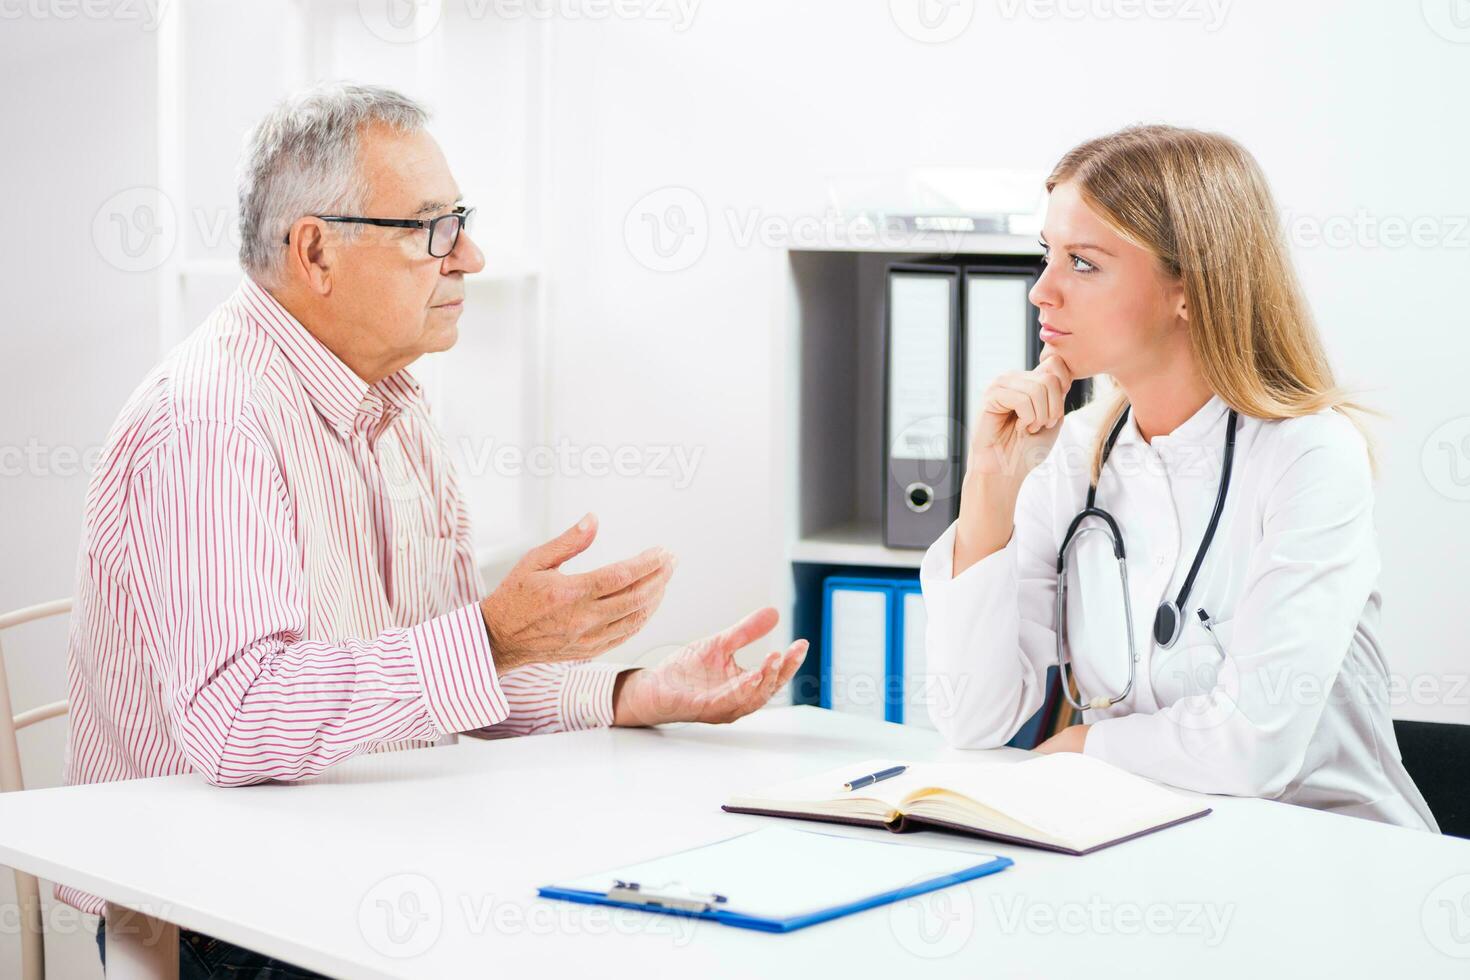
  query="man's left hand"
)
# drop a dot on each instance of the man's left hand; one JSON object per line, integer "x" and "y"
{"x": 702, "y": 682}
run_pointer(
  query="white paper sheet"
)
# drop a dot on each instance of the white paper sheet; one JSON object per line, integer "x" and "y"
{"x": 780, "y": 874}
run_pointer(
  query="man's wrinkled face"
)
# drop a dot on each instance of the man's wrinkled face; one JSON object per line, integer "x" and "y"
{"x": 389, "y": 294}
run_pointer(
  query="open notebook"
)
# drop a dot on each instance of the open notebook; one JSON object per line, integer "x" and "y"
{"x": 1063, "y": 802}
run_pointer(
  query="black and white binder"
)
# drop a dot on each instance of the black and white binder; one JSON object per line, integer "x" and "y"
{"x": 922, "y": 475}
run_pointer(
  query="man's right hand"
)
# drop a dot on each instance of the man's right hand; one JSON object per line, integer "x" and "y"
{"x": 540, "y": 615}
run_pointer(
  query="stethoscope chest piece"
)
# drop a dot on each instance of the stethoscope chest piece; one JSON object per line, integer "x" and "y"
{"x": 1168, "y": 624}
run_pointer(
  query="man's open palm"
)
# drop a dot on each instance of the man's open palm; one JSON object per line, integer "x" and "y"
{"x": 702, "y": 681}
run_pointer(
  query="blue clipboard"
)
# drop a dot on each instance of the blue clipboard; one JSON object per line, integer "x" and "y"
{"x": 658, "y": 898}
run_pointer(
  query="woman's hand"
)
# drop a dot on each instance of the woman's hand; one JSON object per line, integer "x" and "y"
{"x": 1018, "y": 425}
{"x": 1020, "y": 420}
{"x": 1070, "y": 739}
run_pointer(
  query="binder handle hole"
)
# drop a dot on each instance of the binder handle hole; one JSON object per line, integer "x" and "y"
{"x": 919, "y": 497}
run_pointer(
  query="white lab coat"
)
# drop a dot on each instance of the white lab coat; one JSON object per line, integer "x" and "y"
{"x": 1299, "y": 709}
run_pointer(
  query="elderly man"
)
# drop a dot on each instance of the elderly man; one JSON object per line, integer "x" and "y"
{"x": 277, "y": 571}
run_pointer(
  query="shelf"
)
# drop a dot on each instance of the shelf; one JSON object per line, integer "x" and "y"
{"x": 853, "y": 544}
{"x": 932, "y": 243}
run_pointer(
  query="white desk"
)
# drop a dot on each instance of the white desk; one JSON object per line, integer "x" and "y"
{"x": 456, "y": 839}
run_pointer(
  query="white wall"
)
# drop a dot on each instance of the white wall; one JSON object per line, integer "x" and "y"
{"x": 1348, "y": 106}
{"x": 76, "y": 336}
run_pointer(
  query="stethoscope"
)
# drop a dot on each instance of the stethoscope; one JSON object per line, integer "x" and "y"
{"x": 1168, "y": 620}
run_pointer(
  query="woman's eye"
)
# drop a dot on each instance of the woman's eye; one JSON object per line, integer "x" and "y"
{"x": 1079, "y": 264}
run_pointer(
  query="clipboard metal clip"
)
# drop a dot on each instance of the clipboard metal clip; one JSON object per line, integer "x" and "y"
{"x": 673, "y": 895}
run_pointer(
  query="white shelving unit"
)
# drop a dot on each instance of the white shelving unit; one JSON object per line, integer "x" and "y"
{"x": 833, "y": 448}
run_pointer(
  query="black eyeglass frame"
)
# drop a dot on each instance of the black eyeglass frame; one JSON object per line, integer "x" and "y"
{"x": 462, "y": 215}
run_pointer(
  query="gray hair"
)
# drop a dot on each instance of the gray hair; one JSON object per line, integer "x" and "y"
{"x": 302, "y": 158}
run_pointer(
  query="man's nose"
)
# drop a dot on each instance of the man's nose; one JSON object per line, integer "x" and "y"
{"x": 466, "y": 256}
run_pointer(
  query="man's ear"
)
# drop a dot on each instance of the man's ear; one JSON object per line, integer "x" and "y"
{"x": 310, "y": 256}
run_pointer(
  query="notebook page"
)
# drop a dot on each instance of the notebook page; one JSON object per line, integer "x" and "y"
{"x": 1073, "y": 798}
{"x": 826, "y": 787}
{"x": 779, "y": 873}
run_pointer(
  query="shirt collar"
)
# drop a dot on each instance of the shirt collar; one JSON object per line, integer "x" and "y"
{"x": 1198, "y": 429}
{"x": 343, "y": 399}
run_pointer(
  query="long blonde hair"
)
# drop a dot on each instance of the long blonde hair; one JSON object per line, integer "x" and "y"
{"x": 1200, "y": 203}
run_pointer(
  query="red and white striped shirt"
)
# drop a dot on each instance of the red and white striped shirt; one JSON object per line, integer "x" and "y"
{"x": 276, "y": 572}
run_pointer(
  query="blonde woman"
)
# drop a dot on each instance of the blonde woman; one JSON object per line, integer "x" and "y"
{"x": 1219, "y": 612}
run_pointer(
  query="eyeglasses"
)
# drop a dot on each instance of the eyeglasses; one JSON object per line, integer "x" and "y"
{"x": 443, "y": 230}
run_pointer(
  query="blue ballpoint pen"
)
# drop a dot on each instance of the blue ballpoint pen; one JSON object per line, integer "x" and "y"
{"x": 869, "y": 780}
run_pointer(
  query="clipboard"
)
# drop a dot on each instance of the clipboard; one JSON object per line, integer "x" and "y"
{"x": 779, "y": 880}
